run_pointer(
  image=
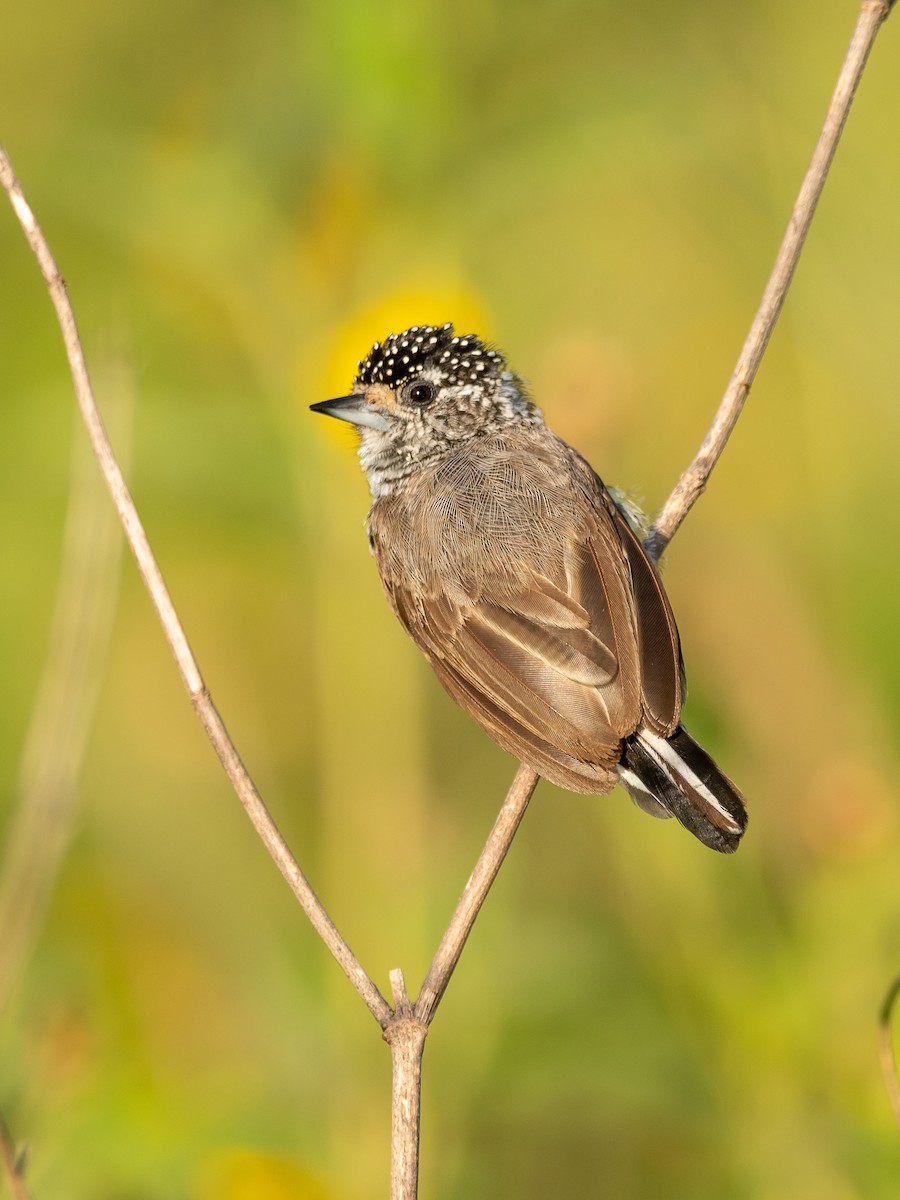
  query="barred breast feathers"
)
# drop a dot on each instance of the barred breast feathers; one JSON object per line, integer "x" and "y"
{"x": 498, "y": 504}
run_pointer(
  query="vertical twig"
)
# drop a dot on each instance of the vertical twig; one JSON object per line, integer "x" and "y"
{"x": 407, "y": 1030}
{"x": 405, "y": 1035}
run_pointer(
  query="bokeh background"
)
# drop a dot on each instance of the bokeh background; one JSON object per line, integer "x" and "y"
{"x": 242, "y": 198}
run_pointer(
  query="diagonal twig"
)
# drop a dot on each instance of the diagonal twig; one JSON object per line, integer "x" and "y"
{"x": 175, "y": 635}
{"x": 693, "y": 480}
{"x": 406, "y": 1029}
{"x": 475, "y": 893}
{"x": 688, "y": 489}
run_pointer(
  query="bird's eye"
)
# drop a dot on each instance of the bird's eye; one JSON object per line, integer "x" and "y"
{"x": 420, "y": 393}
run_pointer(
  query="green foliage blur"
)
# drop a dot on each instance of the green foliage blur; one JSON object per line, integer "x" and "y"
{"x": 242, "y": 198}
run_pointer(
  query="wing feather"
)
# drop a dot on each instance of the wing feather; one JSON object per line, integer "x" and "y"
{"x": 661, "y": 669}
{"x": 561, "y": 648}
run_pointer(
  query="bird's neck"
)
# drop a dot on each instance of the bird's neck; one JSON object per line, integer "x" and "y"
{"x": 386, "y": 469}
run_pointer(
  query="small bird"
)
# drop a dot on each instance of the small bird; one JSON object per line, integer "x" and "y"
{"x": 520, "y": 578}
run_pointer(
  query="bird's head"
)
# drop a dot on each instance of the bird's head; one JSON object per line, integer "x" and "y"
{"x": 419, "y": 394}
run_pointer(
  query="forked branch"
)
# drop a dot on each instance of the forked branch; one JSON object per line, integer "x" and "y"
{"x": 406, "y": 1024}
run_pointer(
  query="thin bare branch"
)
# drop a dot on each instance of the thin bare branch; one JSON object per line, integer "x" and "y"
{"x": 693, "y": 481}
{"x": 405, "y": 1034}
{"x": 475, "y": 892}
{"x": 11, "y": 1166}
{"x": 184, "y": 658}
{"x": 886, "y": 1048}
{"x": 405, "y": 1030}
{"x": 689, "y": 487}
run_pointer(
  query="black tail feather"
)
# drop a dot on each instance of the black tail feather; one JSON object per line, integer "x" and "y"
{"x": 678, "y": 777}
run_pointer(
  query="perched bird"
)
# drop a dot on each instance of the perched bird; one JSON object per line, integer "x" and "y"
{"x": 520, "y": 578}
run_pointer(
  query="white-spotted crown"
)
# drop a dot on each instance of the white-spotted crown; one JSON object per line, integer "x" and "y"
{"x": 402, "y": 356}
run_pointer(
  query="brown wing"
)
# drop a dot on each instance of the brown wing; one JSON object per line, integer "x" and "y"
{"x": 549, "y": 655}
{"x": 661, "y": 669}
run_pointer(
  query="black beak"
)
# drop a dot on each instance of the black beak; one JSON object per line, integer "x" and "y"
{"x": 355, "y": 409}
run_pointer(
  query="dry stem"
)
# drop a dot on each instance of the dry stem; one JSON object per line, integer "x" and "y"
{"x": 405, "y": 1035}
{"x": 475, "y": 892}
{"x": 184, "y": 658}
{"x": 693, "y": 481}
{"x": 405, "y": 1027}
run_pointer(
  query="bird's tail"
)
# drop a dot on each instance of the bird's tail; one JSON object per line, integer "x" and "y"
{"x": 674, "y": 777}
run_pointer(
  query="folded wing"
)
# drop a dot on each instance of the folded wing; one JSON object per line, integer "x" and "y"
{"x": 562, "y": 655}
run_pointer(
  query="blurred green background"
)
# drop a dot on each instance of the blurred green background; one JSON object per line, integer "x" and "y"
{"x": 242, "y": 198}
